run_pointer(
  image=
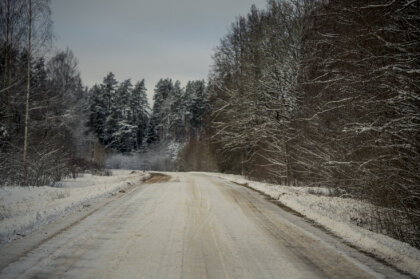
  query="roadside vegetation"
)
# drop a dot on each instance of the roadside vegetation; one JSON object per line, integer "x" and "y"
{"x": 325, "y": 93}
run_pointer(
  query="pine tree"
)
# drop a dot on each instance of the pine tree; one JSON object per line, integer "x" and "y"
{"x": 122, "y": 98}
{"x": 175, "y": 113}
{"x": 121, "y": 134}
{"x": 140, "y": 110}
{"x": 109, "y": 86}
{"x": 157, "y": 128}
{"x": 97, "y": 112}
{"x": 196, "y": 104}
{"x": 119, "y": 115}
{"x": 112, "y": 125}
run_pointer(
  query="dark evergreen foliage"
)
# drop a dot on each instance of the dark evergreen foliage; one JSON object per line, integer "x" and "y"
{"x": 119, "y": 114}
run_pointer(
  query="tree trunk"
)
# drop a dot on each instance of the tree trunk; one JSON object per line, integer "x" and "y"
{"x": 28, "y": 88}
{"x": 6, "y": 97}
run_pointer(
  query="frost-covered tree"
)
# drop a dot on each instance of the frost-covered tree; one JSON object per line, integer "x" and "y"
{"x": 325, "y": 93}
{"x": 97, "y": 112}
{"x": 140, "y": 112}
{"x": 357, "y": 128}
{"x": 175, "y": 116}
{"x": 38, "y": 105}
{"x": 196, "y": 105}
{"x": 158, "y": 128}
{"x": 176, "y": 110}
{"x": 120, "y": 132}
{"x": 109, "y": 86}
{"x": 101, "y": 106}
{"x": 237, "y": 96}
{"x": 123, "y": 126}
{"x": 124, "y": 120}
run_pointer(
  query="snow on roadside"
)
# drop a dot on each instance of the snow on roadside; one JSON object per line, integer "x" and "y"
{"x": 340, "y": 216}
{"x": 23, "y": 209}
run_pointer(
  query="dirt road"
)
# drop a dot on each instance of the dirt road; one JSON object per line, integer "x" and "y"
{"x": 192, "y": 226}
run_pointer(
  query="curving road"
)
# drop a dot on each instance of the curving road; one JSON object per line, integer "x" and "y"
{"x": 192, "y": 226}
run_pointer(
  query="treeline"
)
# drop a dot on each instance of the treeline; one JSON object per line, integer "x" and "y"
{"x": 119, "y": 113}
{"x": 325, "y": 93}
{"x": 120, "y": 117}
{"x": 51, "y": 126}
{"x": 177, "y": 112}
{"x": 177, "y": 125}
{"x": 41, "y": 106}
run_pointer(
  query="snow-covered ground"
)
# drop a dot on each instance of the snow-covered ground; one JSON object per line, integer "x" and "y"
{"x": 342, "y": 216}
{"x": 23, "y": 209}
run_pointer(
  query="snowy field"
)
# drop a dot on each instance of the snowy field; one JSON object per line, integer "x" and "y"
{"x": 342, "y": 216}
{"x": 23, "y": 209}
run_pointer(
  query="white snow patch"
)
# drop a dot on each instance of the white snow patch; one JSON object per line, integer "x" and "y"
{"x": 340, "y": 216}
{"x": 173, "y": 149}
{"x": 23, "y": 209}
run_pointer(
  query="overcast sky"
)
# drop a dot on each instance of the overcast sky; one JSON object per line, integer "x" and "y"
{"x": 148, "y": 39}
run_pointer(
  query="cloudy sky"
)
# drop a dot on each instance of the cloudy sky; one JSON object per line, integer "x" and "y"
{"x": 148, "y": 39}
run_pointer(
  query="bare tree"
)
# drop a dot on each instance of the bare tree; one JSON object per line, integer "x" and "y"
{"x": 361, "y": 81}
{"x": 325, "y": 93}
{"x": 28, "y": 88}
{"x": 254, "y": 82}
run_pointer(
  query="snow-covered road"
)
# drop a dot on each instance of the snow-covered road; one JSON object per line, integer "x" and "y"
{"x": 192, "y": 226}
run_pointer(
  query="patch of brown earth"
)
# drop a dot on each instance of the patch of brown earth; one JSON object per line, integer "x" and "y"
{"x": 157, "y": 178}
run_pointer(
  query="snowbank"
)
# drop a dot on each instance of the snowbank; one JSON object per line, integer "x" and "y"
{"x": 342, "y": 216}
{"x": 23, "y": 209}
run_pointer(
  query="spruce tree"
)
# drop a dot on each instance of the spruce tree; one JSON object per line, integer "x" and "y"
{"x": 97, "y": 112}
{"x": 140, "y": 112}
{"x": 196, "y": 103}
{"x": 119, "y": 131}
{"x": 109, "y": 86}
{"x": 157, "y": 128}
{"x": 175, "y": 113}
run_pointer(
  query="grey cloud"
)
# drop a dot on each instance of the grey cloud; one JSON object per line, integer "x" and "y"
{"x": 144, "y": 39}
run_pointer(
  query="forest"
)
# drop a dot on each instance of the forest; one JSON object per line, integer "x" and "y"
{"x": 301, "y": 93}
{"x": 325, "y": 93}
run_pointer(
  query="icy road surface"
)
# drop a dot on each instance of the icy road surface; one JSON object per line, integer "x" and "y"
{"x": 192, "y": 226}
